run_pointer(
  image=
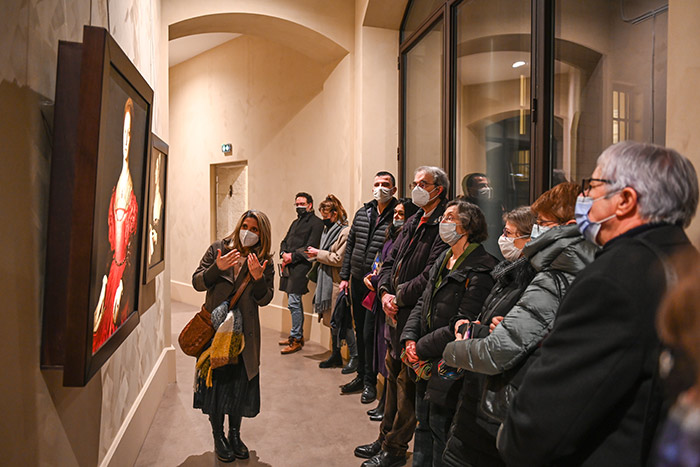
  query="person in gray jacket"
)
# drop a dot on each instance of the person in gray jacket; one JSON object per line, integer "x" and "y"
{"x": 557, "y": 252}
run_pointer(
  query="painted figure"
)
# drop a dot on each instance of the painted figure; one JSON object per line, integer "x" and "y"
{"x": 110, "y": 312}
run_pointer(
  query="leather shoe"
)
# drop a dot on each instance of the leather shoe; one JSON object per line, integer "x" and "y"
{"x": 369, "y": 395}
{"x": 295, "y": 345}
{"x": 367, "y": 451}
{"x": 377, "y": 417}
{"x": 334, "y": 361}
{"x": 285, "y": 341}
{"x": 353, "y": 386}
{"x": 351, "y": 367}
{"x": 384, "y": 459}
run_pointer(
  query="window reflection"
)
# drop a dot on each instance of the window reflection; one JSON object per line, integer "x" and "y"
{"x": 492, "y": 119}
{"x": 423, "y": 100}
{"x": 610, "y": 79}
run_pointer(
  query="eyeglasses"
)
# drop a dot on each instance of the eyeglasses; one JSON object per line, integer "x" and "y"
{"x": 544, "y": 222}
{"x": 447, "y": 218}
{"x": 586, "y": 183}
{"x": 508, "y": 233}
{"x": 421, "y": 184}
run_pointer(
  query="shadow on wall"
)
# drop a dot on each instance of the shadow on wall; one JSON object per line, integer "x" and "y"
{"x": 43, "y": 423}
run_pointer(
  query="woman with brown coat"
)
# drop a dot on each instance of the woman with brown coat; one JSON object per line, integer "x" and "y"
{"x": 234, "y": 389}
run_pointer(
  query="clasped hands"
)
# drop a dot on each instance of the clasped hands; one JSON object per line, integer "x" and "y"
{"x": 458, "y": 335}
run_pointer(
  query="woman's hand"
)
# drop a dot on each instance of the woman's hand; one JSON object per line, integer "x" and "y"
{"x": 228, "y": 260}
{"x": 254, "y": 267}
{"x": 368, "y": 282}
{"x": 311, "y": 252}
{"x": 458, "y": 335}
{"x": 495, "y": 322}
{"x": 411, "y": 352}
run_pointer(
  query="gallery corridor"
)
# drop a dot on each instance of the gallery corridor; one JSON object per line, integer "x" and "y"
{"x": 304, "y": 421}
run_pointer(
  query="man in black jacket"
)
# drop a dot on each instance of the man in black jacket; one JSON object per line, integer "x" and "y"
{"x": 403, "y": 278}
{"x": 304, "y": 232}
{"x": 365, "y": 239}
{"x": 593, "y": 397}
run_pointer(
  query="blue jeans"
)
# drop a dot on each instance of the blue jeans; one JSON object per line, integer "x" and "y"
{"x": 296, "y": 308}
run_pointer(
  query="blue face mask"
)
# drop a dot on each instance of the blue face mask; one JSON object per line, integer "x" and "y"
{"x": 538, "y": 230}
{"x": 588, "y": 228}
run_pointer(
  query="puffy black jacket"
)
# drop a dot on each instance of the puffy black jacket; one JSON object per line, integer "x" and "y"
{"x": 461, "y": 291}
{"x": 365, "y": 239}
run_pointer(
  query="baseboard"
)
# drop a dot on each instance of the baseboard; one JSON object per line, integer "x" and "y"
{"x": 185, "y": 293}
{"x": 130, "y": 437}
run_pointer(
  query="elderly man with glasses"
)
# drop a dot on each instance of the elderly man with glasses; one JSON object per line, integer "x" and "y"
{"x": 593, "y": 397}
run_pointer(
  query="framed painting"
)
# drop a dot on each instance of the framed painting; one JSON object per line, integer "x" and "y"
{"x": 154, "y": 257}
{"x": 96, "y": 206}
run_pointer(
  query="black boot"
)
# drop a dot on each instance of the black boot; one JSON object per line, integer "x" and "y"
{"x": 240, "y": 450}
{"x": 335, "y": 360}
{"x": 222, "y": 449}
{"x": 351, "y": 367}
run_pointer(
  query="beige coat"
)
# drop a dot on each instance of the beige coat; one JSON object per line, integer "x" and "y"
{"x": 334, "y": 258}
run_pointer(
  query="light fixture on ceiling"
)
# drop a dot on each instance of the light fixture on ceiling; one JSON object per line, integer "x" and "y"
{"x": 519, "y": 63}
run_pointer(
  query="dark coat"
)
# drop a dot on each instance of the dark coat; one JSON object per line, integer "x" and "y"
{"x": 461, "y": 291}
{"x": 365, "y": 239}
{"x": 406, "y": 270}
{"x": 591, "y": 397}
{"x": 305, "y": 231}
{"x": 220, "y": 286}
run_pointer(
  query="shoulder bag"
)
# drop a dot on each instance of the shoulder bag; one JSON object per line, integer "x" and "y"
{"x": 199, "y": 330}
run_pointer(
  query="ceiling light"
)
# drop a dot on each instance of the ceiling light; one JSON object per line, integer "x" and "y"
{"x": 518, "y": 64}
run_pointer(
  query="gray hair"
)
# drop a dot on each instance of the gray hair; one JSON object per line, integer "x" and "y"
{"x": 439, "y": 177}
{"x": 471, "y": 219}
{"x": 665, "y": 181}
{"x": 522, "y": 218}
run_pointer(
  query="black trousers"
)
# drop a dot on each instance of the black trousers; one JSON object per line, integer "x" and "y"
{"x": 364, "y": 332}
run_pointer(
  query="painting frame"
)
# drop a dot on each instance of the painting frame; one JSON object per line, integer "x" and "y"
{"x": 159, "y": 151}
{"x": 84, "y": 163}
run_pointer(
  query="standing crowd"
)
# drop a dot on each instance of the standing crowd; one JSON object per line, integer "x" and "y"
{"x": 549, "y": 356}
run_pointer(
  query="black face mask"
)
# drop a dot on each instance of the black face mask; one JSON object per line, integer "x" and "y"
{"x": 328, "y": 223}
{"x": 301, "y": 211}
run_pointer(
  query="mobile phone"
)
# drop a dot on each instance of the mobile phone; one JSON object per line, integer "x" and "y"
{"x": 463, "y": 328}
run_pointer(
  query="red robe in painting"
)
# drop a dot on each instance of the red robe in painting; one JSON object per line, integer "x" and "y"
{"x": 122, "y": 226}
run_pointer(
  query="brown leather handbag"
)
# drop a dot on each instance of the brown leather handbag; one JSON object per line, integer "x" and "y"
{"x": 199, "y": 331}
{"x": 195, "y": 335}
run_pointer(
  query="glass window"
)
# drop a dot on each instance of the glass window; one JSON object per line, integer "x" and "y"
{"x": 492, "y": 108}
{"x": 609, "y": 82}
{"x": 416, "y": 13}
{"x": 423, "y": 103}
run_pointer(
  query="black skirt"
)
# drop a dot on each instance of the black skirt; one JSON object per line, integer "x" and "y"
{"x": 231, "y": 392}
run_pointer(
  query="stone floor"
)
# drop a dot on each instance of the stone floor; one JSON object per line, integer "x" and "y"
{"x": 304, "y": 421}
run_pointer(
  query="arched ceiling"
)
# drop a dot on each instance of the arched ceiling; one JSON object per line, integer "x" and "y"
{"x": 287, "y": 33}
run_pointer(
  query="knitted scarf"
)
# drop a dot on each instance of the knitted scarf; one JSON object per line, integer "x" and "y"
{"x": 324, "y": 282}
{"x": 226, "y": 346}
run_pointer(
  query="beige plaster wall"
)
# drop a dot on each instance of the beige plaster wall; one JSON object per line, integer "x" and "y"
{"x": 682, "y": 119}
{"x": 301, "y": 125}
{"x": 44, "y": 423}
{"x": 289, "y": 117}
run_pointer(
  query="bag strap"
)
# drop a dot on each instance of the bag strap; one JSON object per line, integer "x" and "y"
{"x": 239, "y": 292}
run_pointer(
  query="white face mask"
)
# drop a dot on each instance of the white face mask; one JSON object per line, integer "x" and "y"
{"x": 538, "y": 230}
{"x": 248, "y": 238}
{"x": 508, "y": 248}
{"x": 485, "y": 192}
{"x": 448, "y": 233}
{"x": 420, "y": 196}
{"x": 381, "y": 194}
